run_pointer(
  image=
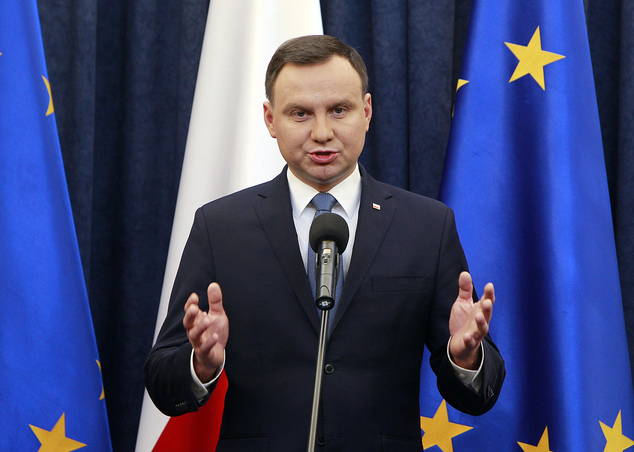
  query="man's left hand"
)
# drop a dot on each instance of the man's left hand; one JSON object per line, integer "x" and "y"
{"x": 469, "y": 323}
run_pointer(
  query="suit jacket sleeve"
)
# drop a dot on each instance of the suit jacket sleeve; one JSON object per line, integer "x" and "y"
{"x": 167, "y": 369}
{"x": 450, "y": 387}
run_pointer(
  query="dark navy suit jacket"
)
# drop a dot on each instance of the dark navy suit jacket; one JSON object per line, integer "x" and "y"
{"x": 397, "y": 296}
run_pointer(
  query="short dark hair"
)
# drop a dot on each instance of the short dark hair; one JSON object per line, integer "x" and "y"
{"x": 315, "y": 49}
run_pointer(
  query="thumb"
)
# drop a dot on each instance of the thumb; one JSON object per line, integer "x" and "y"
{"x": 214, "y": 295}
{"x": 466, "y": 286}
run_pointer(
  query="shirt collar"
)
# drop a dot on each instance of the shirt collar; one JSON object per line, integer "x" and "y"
{"x": 347, "y": 193}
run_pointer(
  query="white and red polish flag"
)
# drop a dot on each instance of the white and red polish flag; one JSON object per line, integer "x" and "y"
{"x": 228, "y": 148}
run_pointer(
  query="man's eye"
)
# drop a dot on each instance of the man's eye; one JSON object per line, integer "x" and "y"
{"x": 339, "y": 110}
{"x": 299, "y": 114}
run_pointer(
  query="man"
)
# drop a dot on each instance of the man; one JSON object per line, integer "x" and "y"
{"x": 405, "y": 286}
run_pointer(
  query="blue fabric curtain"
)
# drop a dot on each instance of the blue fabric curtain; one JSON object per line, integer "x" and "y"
{"x": 123, "y": 76}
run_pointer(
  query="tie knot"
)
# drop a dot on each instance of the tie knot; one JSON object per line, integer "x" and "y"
{"x": 323, "y": 202}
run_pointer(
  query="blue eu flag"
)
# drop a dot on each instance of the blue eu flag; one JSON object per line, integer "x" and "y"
{"x": 525, "y": 174}
{"x": 51, "y": 394}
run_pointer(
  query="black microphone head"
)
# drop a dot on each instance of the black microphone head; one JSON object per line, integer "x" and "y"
{"x": 329, "y": 226}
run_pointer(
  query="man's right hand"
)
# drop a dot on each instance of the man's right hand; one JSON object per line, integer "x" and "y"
{"x": 207, "y": 332}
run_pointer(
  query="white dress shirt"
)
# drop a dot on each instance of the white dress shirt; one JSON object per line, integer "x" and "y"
{"x": 348, "y": 195}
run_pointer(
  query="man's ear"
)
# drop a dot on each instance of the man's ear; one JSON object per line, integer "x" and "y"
{"x": 268, "y": 118}
{"x": 367, "y": 108}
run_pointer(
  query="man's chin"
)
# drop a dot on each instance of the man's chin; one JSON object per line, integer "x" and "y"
{"x": 326, "y": 179}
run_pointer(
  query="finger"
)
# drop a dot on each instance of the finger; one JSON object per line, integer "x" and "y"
{"x": 482, "y": 327}
{"x": 489, "y": 292}
{"x": 189, "y": 319}
{"x": 206, "y": 343}
{"x": 191, "y": 311}
{"x": 463, "y": 346}
{"x": 472, "y": 341}
{"x": 214, "y": 295}
{"x": 197, "y": 328}
{"x": 467, "y": 339}
{"x": 466, "y": 286}
{"x": 209, "y": 349}
{"x": 193, "y": 299}
{"x": 487, "y": 309}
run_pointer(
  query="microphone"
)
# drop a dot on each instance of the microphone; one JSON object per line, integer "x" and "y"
{"x": 328, "y": 237}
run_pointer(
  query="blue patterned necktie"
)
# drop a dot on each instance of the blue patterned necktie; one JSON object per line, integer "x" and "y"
{"x": 323, "y": 202}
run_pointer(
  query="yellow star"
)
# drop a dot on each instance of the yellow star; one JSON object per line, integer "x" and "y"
{"x": 532, "y": 59}
{"x": 616, "y": 440}
{"x": 461, "y": 83}
{"x": 50, "y": 97}
{"x": 439, "y": 431}
{"x": 55, "y": 440}
{"x": 543, "y": 445}
{"x": 103, "y": 393}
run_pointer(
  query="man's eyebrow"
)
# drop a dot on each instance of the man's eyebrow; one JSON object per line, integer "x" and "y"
{"x": 345, "y": 102}
{"x": 341, "y": 103}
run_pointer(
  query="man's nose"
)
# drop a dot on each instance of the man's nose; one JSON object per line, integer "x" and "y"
{"x": 322, "y": 130}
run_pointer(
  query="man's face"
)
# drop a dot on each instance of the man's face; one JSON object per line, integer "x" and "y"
{"x": 319, "y": 117}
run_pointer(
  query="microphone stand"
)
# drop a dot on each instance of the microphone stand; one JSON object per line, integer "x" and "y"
{"x": 325, "y": 302}
{"x": 318, "y": 375}
{"x": 328, "y": 237}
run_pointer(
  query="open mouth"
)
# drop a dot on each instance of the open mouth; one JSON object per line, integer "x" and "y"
{"x": 323, "y": 156}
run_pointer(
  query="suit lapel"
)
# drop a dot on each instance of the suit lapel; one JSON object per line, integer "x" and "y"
{"x": 274, "y": 210}
{"x": 375, "y": 217}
